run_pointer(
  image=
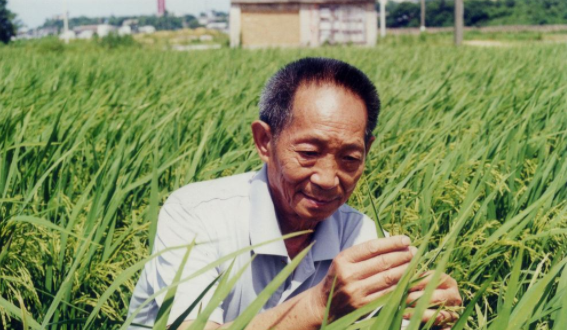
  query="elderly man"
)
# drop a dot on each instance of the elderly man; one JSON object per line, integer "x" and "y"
{"x": 315, "y": 130}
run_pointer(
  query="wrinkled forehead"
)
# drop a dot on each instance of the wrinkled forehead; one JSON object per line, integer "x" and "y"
{"x": 322, "y": 109}
{"x": 325, "y": 101}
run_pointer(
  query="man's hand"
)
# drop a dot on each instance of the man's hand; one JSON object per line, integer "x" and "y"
{"x": 369, "y": 270}
{"x": 445, "y": 295}
{"x": 363, "y": 273}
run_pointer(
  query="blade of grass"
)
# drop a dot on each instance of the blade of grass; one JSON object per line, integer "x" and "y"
{"x": 165, "y": 308}
{"x": 211, "y": 265}
{"x": 248, "y": 314}
{"x": 181, "y": 318}
{"x": 223, "y": 289}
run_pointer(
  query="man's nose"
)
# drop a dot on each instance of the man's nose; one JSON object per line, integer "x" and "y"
{"x": 325, "y": 175}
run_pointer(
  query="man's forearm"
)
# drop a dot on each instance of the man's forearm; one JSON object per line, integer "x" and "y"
{"x": 298, "y": 313}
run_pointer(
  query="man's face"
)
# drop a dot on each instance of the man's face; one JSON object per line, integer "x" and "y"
{"x": 317, "y": 159}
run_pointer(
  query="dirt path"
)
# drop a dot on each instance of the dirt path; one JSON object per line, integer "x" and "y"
{"x": 487, "y": 43}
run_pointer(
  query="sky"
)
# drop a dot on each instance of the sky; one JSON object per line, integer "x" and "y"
{"x": 34, "y": 12}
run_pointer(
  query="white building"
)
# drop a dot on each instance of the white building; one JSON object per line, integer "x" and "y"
{"x": 124, "y": 30}
{"x": 147, "y": 29}
{"x": 67, "y": 35}
{"x": 103, "y": 30}
{"x": 85, "y": 35}
{"x": 220, "y": 26}
{"x": 85, "y": 31}
{"x": 269, "y": 23}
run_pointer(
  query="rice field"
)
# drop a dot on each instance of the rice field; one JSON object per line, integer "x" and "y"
{"x": 470, "y": 162}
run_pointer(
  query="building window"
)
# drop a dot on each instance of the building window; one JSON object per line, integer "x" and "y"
{"x": 341, "y": 24}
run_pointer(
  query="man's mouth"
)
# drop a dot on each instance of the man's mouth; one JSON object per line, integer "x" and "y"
{"x": 319, "y": 201}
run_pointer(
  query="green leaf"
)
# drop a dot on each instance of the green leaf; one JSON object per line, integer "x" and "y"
{"x": 222, "y": 291}
{"x": 211, "y": 265}
{"x": 379, "y": 229}
{"x": 165, "y": 308}
{"x": 248, "y": 314}
{"x": 328, "y": 306}
{"x": 181, "y": 318}
{"x": 532, "y": 297}
{"x": 503, "y": 318}
{"x": 19, "y": 313}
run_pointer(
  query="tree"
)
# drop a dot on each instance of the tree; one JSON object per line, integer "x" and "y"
{"x": 404, "y": 14}
{"x": 479, "y": 12}
{"x": 7, "y": 27}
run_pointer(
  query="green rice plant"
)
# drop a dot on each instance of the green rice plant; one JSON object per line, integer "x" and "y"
{"x": 470, "y": 161}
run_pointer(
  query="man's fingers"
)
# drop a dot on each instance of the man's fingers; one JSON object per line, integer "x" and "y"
{"x": 371, "y": 297}
{"x": 442, "y": 317}
{"x": 446, "y": 293}
{"x": 376, "y": 247}
{"x": 383, "y": 280}
{"x": 383, "y": 262}
{"x": 438, "y": 298}
{"x": 445, "y": 282}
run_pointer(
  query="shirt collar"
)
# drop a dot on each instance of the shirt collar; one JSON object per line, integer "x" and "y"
{"x": 264, "y": 224}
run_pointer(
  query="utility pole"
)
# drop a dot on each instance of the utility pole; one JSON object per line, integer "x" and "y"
{"x": 66, "y": 24}
{"x": 459, "y": 21}
{"x": 422, "y": 28}
{"x": 383, "y": 18}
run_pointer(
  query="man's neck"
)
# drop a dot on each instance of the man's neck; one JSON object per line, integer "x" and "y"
{"x": 289, "y": 225}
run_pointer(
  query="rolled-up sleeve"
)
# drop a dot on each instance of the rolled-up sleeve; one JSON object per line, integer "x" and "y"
{"x": 178, "y": 226}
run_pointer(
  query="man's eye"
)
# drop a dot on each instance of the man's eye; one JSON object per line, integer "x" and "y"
{"x": 351, "y": 159}
{"x": 308, "y": 153}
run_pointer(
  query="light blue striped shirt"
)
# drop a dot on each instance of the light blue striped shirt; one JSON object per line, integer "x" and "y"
{"x": 229, "y": 214}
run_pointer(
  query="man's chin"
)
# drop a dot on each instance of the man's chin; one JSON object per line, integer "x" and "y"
{"x": 319, "y": 205}
{"x": 316, "y": 214}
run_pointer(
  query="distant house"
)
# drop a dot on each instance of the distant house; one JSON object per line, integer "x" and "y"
{"x": 221, "y": 26}
{"x": 103, "y": 30}
{"x": 311, "y": 23}
{"x": 26, "y": 33}
{"x": 209, "y": 17}
{"x": 88, "y": 31}
{"x": 214, "y": 21}
{"x": 146, "y": 29}
{"x": 85, "y": 35}
{"x": 67, "y": 35}
{"x": 85, "y": 31}
{"x": 124, "y": 30}
{"x": 130, "y": 22}
{"x": 203, "y": 20}
{"x": 44, "y": 32}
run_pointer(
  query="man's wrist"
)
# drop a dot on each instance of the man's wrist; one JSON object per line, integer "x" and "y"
{"x": 316, "y": 305}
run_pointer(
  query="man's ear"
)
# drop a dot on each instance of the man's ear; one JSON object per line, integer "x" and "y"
{"x": 263, "y": 139}
{"x": 369, "y": 144}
